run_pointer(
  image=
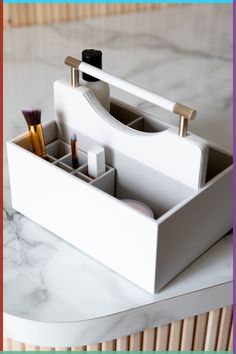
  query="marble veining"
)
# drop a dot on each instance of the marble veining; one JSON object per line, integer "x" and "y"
{"x": 169, "y": 52}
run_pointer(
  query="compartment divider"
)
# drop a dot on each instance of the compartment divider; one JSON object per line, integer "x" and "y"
{"x": 137, "y": 123}
{"x": 64, "y": 157}
{"x": 51, "y": 159}
{"x": 82, "y": 176}
{"x": 63, "y": 166}
{"x": 58, "y": 149}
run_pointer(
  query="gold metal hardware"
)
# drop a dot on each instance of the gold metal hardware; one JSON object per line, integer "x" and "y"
{"x": 74, "y": 64}
{"x": 183, "y": 126}
{"x": 74, "y": 77}
{"x": 186, "y": 114}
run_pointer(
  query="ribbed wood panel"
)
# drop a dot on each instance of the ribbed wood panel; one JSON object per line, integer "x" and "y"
{"x": 208, "y": 331}
{"x": 224, "y": 329}
{"x": 230, "y": 345}
{"x": 78, "y": 349}
{"x": 175, "y": 336}
{"x": 62, "y": 349}
{"x": 212, "y": 330}
{"x": 109, "y": 346}
{"x": 162, "y": 338}
{"x": 31, "y": 348}
{"x": 17, "y": 346}
{"x": 135, "y": 342}
{"x": 187, "y": 334}
{"x": 46, "y": 13}
{"x": 45, "y": 349}
{"x": 200, "y": 332}
{"x": 93, "y": 347}
{"x": 149, "y": 336}
{"x": 122, "y": 344}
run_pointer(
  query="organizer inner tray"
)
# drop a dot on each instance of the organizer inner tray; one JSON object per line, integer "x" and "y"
{"x": 132, "y": 118}
{"x": 124, "y": 178}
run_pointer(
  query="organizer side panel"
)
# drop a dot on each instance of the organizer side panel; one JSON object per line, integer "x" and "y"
{"x": 194, "y": 227}
{"x": 98, "y": 224}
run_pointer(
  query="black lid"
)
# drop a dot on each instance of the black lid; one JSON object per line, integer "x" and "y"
{"x": 92, "y": 57}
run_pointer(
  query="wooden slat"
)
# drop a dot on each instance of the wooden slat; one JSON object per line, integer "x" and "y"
{"x": 47, "y": 13}
{"x": 135, "y": 341}
{"x": 132, "y": 7}
{"x": 95, "y": 9}
{"x": 103, "y": 10}
{"x": 109, "y": 9}
{"x": 63, "y": 12}
{"x": 212, "y": 330}
{"x": 149, "y": 336}
{"x": 17, "y": 346}
{"x": 200, "y": 332}
{"x": 175, "y": 335}
{"x": 162, "y": 338}
{"x": 78, "y": 349}
{"x": 72, "y": 11}
{"x": 39, "y": 16}
{"x": 15, "y": 21}
{"x": 55, "y": 12}
{"x": 224, "y": 329}
{"x": 93, "y": 347}
{"x": 87, "y": 10}
{"x": 187, "y": 334}
{"x": 80, "y": 11}
{"x": 122, "y": 343}
{"x": 109, "y": 346}
{"x": 117, "y": 8}
{"x": 30, "y": 13}
{"x": 125, "y": 8}
{"x": 6, "y": 16}
{"x": 140, "y": 7}
{"x": 6, "y": 344}
{"x": 230, "y": 344}
{"x": 31, "y": 348}
{"x": 22, "y": 13}
{"x": 46, "y": 349}
{"x": 148, "y": 7}
{"x": 62, "y": 349}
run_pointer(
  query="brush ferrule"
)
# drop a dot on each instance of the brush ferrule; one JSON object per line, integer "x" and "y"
{"x": 37, "y": 138}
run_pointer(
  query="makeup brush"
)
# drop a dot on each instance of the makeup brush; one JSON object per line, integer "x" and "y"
{"x": 74, "y": 155}
{"x": 33, "y": 120}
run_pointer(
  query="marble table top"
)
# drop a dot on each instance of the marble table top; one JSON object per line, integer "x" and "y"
{"x": 53, "y": 292}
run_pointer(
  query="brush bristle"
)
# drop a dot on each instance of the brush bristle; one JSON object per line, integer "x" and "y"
{"x": 32, "y": 116}
{"x": 73, "y": 137}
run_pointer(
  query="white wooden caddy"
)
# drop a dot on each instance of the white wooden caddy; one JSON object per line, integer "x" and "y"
{"x": 185, "y": 180}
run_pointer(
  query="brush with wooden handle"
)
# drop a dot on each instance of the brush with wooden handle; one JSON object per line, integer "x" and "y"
{"x": 33, "y": 120}
{"x": 74, "y": 154}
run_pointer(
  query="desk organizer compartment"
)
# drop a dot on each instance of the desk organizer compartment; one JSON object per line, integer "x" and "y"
{"x": 132, "y": 118}
{"x": 89, "y": 214}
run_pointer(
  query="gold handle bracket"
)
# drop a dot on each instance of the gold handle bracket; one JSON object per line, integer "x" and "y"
{"x": 186, "y": 114}
{"x": 74, "y": 64}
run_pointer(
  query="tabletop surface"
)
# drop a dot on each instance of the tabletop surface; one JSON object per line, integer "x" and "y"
{"x": 45, "y": 279}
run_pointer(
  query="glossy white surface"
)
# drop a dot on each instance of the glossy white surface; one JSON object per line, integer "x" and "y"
{"x": 45, "y": 279}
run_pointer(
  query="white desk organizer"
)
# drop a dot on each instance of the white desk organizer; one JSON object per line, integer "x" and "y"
{"x": 186, "y": 181}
